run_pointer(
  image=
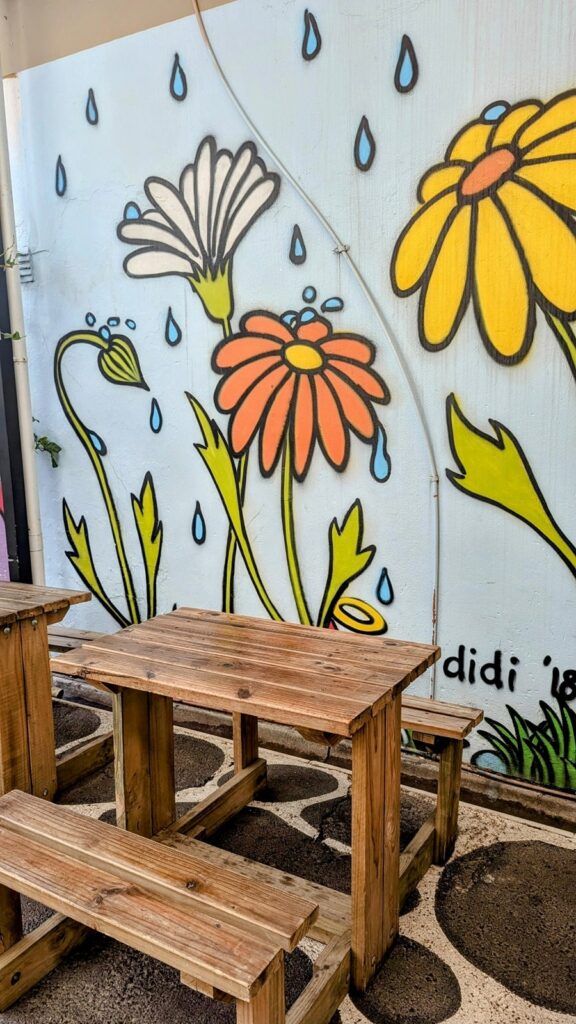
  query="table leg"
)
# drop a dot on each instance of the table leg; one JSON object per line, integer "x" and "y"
{"x": 245, "y": 735}
{"x": 144, "y": 761}
{"x": 14, "y": 750}
{"x": 40, "y": 719}
{"x": 375, "y": 841}
{"x": 10, "y": 918}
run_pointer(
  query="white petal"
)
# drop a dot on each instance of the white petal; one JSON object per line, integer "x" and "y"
{"x": 223, "y": 166}
{"x": 254, "y": 175}
{"x": 203, "y": 191}
{"x": 144, "y": 231}
{"x": 155, "y": 217}
{"x": 240, "y": 167}
{"x": 246, "y": 213}
{"x": 187, "y": 179}
{"x": 168, "y": 201}
{"x": 156, "y": 263}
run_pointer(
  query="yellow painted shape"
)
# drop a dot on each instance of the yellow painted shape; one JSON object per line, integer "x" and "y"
{"x": 471, "y": 143}
{"x": 417, "y": 245}
{"x": 445, "y": 291}
{"x": 556, "y": 178}
{"x": 501, "y": 284}
{"x": 558, "y": 115}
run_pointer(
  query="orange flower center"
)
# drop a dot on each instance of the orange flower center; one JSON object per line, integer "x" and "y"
{"x": 301, "y": 356}
{"x": 487, "y": 172}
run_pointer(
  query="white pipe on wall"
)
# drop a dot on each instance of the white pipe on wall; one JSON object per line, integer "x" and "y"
{"x": 23, "y": 400}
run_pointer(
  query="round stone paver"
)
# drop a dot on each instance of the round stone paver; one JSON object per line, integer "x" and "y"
{"x": 510, "y": 909}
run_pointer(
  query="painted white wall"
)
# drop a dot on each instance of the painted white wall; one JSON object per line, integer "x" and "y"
{"x": 502, "y": 587}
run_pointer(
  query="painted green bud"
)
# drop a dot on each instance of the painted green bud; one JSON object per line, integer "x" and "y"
{"x": 119, "y": 363}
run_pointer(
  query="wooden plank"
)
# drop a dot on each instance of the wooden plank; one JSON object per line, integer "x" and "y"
{"x": 426, "y": 704}
{"x": 416, "y": 858}
{"x": 132, "y": 762}
{"x": 10, "y": 918}
{"x": 63, "y": 638}
{"x": 334, "y": 916}
{"x": 84, "y": 759}
{"x": 223, "y": 803}
{"x": 161, "y": 757}
{"x": 329, "y": 986}
{"x": 40, "y": 720}
{"x": 268, "y": 1005}
{"x": 27, "y": 599}
{"x": 14, "y": 752}
{"x": 38, "y": 953}
{"x": 245, "y": 740}
{"x": 436, "y": 722}
{"x": 273, "y": 702}
{"x": 447, "y": 800}
{"x": 219, "y": 954}
{"x": 205, "y": 990}
{"x": 181, "y": 876}
{"x": 392, "y": 770}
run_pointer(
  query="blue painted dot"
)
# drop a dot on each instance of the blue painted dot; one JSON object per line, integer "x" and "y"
{"x": 155, "y": 417}
{"x": 495, "y": 111}
{"x": 113, "y": 321}
{"x": 132, "y": 211}
{"x": 309, "y": 294}
{"x": 332, "y": 305}
{"x": 307, "y": 315}
{"x": 290, "y": 317}
{"x": 104, "y": 332}
{"x": 198, "y": 525}
{"x": 90, "y": 319}
{"x": 98, "y": 443}
{"x": 131, "y": 324}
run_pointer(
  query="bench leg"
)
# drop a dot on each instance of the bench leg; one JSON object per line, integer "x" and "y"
{"x": 245, "y": 735}
{"x": 14, "y": 750}
{"x": 375, "y": 841}
{"x": 268, "y": 1005}
{"x": 144, "y": 761}
{"x": 448, "y": 799}
{"x": 40, "y": 720}
{"x": 10, "y": 918}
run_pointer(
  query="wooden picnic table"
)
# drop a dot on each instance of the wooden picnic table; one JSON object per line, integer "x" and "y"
{"x": 316, "y": 680}
{"x": 27, "y": 748}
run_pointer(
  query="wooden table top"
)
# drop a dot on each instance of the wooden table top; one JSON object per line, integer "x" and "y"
{"x": 24, "y": 600}
{"x": 281, "y": 672}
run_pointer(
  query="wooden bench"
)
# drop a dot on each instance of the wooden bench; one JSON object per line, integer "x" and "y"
{"x": 224, "y": 932}
{"x": 440, "y": 726}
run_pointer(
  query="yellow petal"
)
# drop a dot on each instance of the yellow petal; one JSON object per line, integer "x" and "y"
{"x": 416, "y": 244}
{"x": 438, "y": 179}
{"x": 560, "y": 113}
{"x": 503, "y": 305}
{"x": 443, "y": 299}
{"x": 557, "y": 178}
{"x": 471, "y": 142}
{"x": 506, "y": 128}
{"x": 562, "y": 143}
{"x": 548, "y": 243}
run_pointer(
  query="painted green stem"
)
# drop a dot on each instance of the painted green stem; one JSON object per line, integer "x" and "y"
{"x": 290, "y": 534}
{"x": 564, "y": 334}
{"x": 91, "y": 338}
{"x": 232, "y": 543}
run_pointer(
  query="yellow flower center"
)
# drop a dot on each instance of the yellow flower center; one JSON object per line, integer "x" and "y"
{"x": 303, "y": 357}
{"x": 487, "y": 173}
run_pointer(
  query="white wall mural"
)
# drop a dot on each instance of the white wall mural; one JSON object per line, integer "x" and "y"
{"x": 313, "y": 341}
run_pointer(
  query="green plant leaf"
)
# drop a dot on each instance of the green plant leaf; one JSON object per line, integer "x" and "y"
{"x": 80, "y": 556}
{"x": 150, "y": 535}
{"x": 348, "y": 559}
{"x": 569, "y": 722}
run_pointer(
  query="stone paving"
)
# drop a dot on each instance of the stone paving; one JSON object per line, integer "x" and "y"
{"x": 491, "y": 938}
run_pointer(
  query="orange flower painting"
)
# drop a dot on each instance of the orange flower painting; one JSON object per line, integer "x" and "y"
{"x": 495, "y": 226}
{"x": 297, "y": 383}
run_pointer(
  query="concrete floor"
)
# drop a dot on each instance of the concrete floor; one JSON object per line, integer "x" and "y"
{"x": 489, "y": 939}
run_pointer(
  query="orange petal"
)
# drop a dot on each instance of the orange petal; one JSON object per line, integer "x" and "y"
{"x": 246, "y": 419}
{"x": 349, "y": 348}
{"x": 333, "y": 435}
{"x": 313, "y": 331}
{"x": 303, "y": 426}
{"x": 355, "y": 409}
{"x": 367, "y": 380}
{"x": 268, "y": 324}
{"x": 236, "y": 384}
{"x": 241, "y": 349}
{"x": 275, "y": 425}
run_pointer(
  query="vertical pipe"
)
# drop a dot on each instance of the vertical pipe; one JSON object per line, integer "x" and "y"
{"x": 20, "y": 356}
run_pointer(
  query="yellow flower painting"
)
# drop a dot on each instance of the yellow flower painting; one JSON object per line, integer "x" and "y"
{"x": 495, "y": 226}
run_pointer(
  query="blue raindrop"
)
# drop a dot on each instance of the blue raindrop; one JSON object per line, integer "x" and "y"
{"x": 132, "y": 211}
{"x": 384, "y": 590}
{"x": 172, "y": 331}
{"x": 333, "y": 305}
{"x": 309, "y": 293}
{"x": 364, "y": 146}
{"x": 113, "y": 321}
{"x": 290, "y": 317}
{"x": 178, "y": 81}
{"x": 312, "y": 41}
{"x": 297, "y": 247}
{"x": 90, "y": 319}
{"x": 155, "y": 417}
{"x": 61, "y": 179}
{"x": 98, "y": 443}
{"x": 380, "y": 464}
{"x": 494, "y": 111}
{"x": 406, "y": 74}
{"x": 104, "y": 332}
{"x": 198, "y": 525}
{"x": 131, "y": 324}
{"x": 91, "y": 108}
{"x": 307, "y": 315}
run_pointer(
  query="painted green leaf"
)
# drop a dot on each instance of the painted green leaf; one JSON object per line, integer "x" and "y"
{"x": 150, "y": 534}
{"x": 80, "y": 556}
{"x": 348, "y": 559}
